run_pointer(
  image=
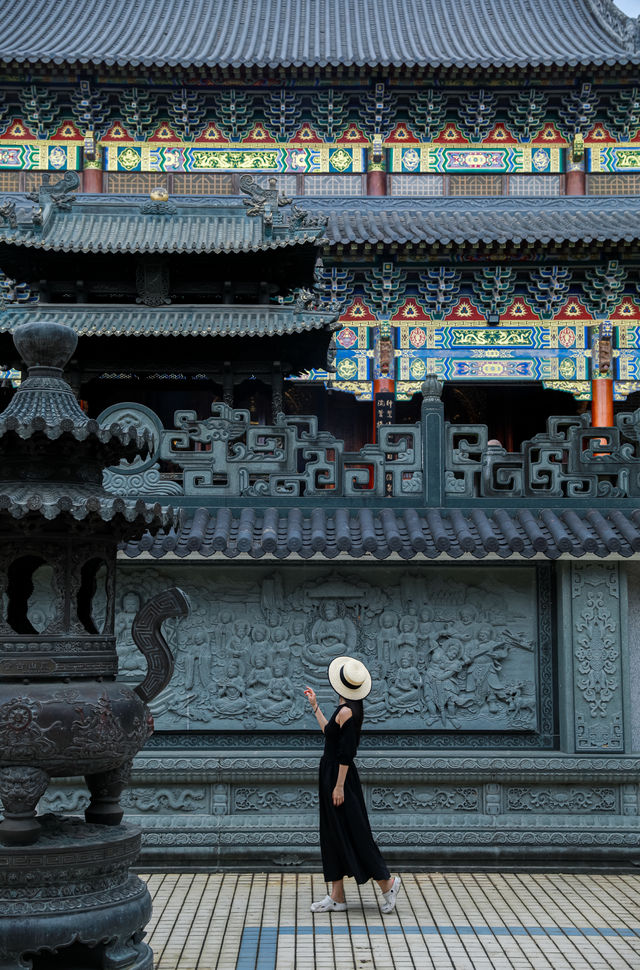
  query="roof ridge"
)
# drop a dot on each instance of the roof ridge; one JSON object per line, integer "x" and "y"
{"x": 622, "y": 27}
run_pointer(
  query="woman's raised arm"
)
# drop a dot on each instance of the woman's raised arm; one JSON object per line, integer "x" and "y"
{"x": 310, "y": 694}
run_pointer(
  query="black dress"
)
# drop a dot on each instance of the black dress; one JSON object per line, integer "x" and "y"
{"x": 346, "y": 841}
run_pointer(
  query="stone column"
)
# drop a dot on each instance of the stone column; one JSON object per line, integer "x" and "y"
{"x": 433, "y": 442}
{"x": 592, "y": 667}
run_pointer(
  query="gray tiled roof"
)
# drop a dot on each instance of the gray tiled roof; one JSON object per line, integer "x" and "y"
{"x": 487, "y": 219}
{"x": 116, "y": 224}
{"x": 408, "y": 534}
{"x": 215, "y": 224}
{"x": 282, "y": 33}
{"x": 72, "y": 502}
{"x": 115, "y": 320}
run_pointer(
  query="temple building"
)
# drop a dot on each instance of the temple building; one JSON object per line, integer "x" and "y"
{"x": 368, "y": 275}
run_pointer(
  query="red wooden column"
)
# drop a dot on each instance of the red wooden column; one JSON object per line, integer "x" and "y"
{"x": 602, "y": 402}
{"x": 575, "y": 179}
{"x": 602, "y": 378}
{"x": 601, "y": 387}
{"x": 376, "y": 170}
{"x": 92, "y": 165}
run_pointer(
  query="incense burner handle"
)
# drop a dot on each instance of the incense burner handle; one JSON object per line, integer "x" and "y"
{"x": 149, "y": 640}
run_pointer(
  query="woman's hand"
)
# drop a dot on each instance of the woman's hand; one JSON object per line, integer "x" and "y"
{"x": 338, "y": 795}
{"x": 310, "y": 694}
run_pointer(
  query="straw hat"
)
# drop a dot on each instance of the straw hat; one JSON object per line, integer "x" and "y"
{"x": 349, "y": 678}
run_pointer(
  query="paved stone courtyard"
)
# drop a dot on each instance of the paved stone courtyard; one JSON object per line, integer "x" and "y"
{"x": 443, "y": 921}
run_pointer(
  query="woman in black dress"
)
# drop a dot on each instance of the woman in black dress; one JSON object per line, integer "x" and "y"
{"x": 347, "y": 845}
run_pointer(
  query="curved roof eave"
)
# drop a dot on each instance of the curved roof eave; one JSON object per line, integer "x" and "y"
{"x": 308, "y": 33}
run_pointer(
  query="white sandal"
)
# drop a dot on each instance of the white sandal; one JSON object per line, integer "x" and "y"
{"x": 391, "y": 896}
{"x": 328, "y": 905}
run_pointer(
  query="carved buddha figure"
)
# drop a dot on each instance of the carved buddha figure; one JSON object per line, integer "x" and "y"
{"x": 279, "y": 638}
{"x": 231, "y": 698}
{"x": 280, "y": 702}
{"x": 130, "y": 660}
{"x": 404, "y": 692}
{"x": 298, "y": 638}
{"x": 242, "y": 634}
{"x": 194, "y": 663}
{"x": 332, "y": 636}
{"x": 388, "y": 635}
{"x": 259, "y": 677}
{"x": 407, "y": 635}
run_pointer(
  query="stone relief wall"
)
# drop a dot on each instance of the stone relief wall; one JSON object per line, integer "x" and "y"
{"x": 233, "y": 778}
{"x": 449, "y": 648}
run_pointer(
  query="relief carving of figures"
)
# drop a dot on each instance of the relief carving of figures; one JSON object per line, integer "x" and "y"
{"x": 404, "y": 690}
{"x": 130, "y": 660}
{"x": 449, "y": 649}
{"x": 231, "y": 696}
{"x": 332, "y": 635}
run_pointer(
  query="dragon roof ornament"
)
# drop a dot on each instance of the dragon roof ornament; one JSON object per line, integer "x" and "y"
{"x": 267, "y": 202}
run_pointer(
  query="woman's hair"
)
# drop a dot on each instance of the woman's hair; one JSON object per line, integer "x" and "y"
{"x": 357, "y": 712}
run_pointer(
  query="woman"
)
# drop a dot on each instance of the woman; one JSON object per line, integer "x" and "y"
{"x": 348, "y": 848}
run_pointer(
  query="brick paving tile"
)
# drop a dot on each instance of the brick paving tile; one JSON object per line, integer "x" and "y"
{"x": 443, "y": 921}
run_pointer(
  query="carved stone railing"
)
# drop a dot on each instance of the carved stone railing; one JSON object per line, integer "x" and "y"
{"x": 431, "y": 463}
{"x": 570, "y": 460}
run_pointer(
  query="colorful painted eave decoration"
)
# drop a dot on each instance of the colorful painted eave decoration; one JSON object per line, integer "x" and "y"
{"x": 463, "y": 347}
{"x": 234, "y": 157}
{"x": 440, "y": 159}
{"x": 294, "y": 157}
{"x": 613, "y": 158}
{"x": 41, "y": 156}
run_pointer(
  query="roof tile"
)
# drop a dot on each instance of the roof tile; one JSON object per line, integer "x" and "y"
{"x": 408, "y": 533}
{"x": 285, "y": 33}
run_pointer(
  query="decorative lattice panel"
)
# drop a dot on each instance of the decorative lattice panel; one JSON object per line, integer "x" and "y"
{"x": 417, "y": 185}
{"x": 132, "y": 183}
{"x": 333, "y": 185}
{"x": 202, "y": 183}
{"x": 614, "y": 184}
{"x": 476, "y": 185}
{"x": 284, "y": 183}
{"x": 534, "y": 185}
{"x": 32, "y": 180}
{"x": 9, "y": 181}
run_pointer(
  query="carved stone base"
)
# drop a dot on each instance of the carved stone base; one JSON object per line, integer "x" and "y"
{"x": 70, "y": 902}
